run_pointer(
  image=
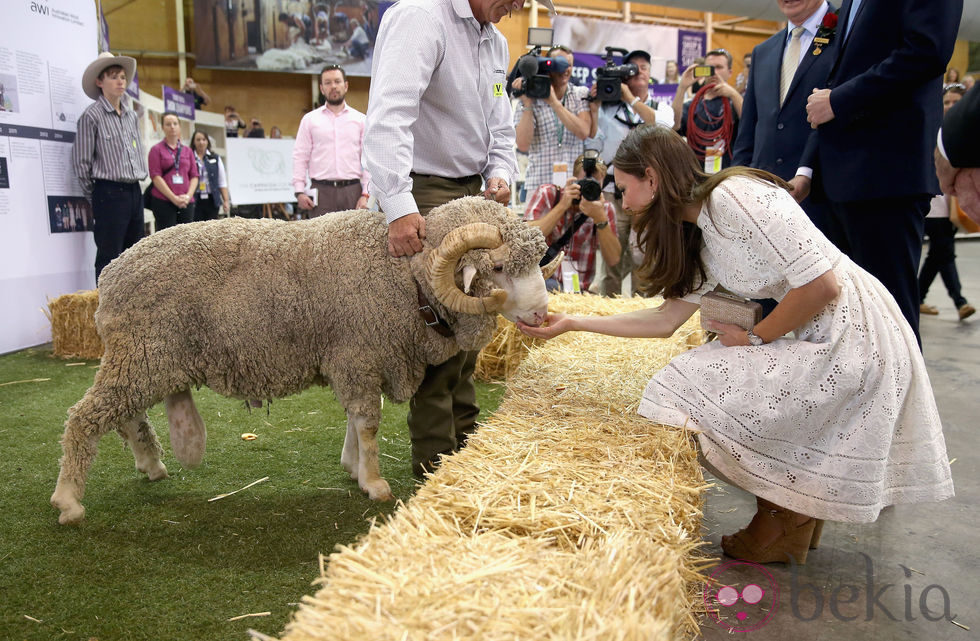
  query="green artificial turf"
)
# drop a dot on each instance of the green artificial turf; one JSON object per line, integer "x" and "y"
{"x": 158, "y": 560}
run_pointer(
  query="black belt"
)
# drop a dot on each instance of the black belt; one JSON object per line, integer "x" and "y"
{"x": 460, "y": 181}
{"x": 337, "y": 183}
{"x": 430, "y": 317}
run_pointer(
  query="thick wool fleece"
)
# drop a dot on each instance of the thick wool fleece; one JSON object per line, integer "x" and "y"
{"x": 263, "y": 309}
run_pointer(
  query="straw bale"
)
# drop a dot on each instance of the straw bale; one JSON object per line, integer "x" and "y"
{"x": 72, "y": 319}
{"x": 500, "y": 359}
{"x": 567, "y": 516}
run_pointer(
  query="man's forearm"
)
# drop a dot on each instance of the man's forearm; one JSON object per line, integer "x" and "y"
{"x": 645, "y": 112}
{"x": 572, "y": 122}
{"x": 524, "y": 131}
{"x": 548, "y": 222}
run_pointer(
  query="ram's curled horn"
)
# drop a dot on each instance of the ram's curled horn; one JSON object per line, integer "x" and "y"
{"x": 442, "y": 268}
{"x": 549, "y": 270}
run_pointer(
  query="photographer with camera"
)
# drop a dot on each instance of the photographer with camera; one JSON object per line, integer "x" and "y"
{"x": 576, "y": 219}
{"x": 710, "y": 119}
{"x": 550, "y": 129}
{"x": 617, "y": 115}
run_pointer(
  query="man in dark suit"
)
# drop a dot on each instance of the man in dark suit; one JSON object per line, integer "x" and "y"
{"x": 876, "y": 123}
{"x": 958, "y": 156}
{"x": 786, "y": 68}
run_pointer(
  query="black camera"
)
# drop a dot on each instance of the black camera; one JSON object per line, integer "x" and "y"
{"x": 591, "y": 188}
{"x": 611, "y": 76}
{"x": 535, "y": 69}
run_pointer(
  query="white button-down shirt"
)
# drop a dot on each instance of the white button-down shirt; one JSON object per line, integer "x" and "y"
{"x": 438, "y": 102}
{"x": 810, "y": 26}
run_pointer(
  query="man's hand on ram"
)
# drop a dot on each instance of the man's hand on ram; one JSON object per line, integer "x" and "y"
{"x": 405, "y": 235}
{"x": 498, "y": 190}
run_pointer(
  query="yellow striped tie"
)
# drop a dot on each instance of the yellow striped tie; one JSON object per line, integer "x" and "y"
{"x": 791, "y": 60}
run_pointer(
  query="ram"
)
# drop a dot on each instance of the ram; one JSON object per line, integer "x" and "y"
{"x": 263, "y": 309}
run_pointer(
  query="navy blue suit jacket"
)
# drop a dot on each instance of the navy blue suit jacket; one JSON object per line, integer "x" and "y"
{"x": 770, "y": 136}
{"x": 886, "y": 88}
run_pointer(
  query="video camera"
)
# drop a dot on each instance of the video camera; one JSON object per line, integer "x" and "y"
{"x": 535, "y": 68}
{"x": 591, "y": 188}
{"x": 610, "y": 77}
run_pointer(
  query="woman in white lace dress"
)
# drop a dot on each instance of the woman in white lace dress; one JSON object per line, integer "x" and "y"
{"x": 835, "y": 422}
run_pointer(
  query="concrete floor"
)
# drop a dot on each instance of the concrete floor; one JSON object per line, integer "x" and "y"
{"x": 883, "y": 580}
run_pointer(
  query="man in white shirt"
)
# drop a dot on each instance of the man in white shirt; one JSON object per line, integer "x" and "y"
{"x": 328, "y": 149}
{"x": 439, "y": 126}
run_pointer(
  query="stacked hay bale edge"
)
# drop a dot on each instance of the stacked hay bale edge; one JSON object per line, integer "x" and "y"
{"x": 567, "y": 516}
{"x": 72, "y": 319}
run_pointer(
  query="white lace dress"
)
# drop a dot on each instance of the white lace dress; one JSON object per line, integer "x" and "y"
{"x": 836, "y": 423}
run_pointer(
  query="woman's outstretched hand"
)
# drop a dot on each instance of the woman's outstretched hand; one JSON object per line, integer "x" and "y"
{"x": 556, "y": 324}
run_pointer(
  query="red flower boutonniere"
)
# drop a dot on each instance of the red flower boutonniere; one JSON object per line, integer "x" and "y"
{"x": 825, "y": 33}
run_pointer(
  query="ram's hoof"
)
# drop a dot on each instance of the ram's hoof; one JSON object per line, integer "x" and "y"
{"x": 155, "y": 472}
{"x": 378, "y": 490}
{"x": 72, "y": 512}
{"x": 73, "y": 516}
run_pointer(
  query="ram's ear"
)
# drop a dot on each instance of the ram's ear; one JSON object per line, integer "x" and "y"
{"x": 469, "y": 273}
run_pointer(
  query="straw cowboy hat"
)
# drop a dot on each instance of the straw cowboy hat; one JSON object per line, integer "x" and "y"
{"x": 105, "y": 60}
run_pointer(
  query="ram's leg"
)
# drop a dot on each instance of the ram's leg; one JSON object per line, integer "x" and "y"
{"x": 99, "y": 412}
{"x": 349, "y": 456}
{"x": 187, "y": 433}
{"x": 368, "y": 471}
{"x": 142, "y": 440}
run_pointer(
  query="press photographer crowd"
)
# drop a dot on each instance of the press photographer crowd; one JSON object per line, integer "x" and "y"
{"x": 784, "y": 200}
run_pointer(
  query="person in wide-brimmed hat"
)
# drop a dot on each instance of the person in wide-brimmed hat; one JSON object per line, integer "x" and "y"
{"x": 108, "y": 157}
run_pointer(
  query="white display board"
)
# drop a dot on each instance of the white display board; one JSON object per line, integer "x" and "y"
{"x": 46, "y": 245}
{"x": 592, "y": 35}
{"x": 260, "y": 170}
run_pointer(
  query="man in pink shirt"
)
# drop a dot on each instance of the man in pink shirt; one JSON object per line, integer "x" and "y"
{"x": 328, "y": 148}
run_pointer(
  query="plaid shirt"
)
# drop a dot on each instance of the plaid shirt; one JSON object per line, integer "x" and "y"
{"x": 582, "y": 248}
{"x": 552, "y": 142}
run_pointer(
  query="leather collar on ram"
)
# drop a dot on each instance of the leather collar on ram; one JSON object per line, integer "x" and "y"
{"x": 430, "y": 317}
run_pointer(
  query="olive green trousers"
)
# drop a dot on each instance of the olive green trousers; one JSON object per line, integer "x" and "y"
{"x": 443, "y": 412}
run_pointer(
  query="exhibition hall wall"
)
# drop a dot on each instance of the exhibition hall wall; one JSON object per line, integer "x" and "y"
{"x": 46, "y": 245}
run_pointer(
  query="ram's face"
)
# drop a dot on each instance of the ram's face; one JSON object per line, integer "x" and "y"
{"x": 481, "y": 269}
{"x": 527, "y": 297}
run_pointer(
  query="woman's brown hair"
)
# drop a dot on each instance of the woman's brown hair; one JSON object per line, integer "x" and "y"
{"x": 672, "y": 247}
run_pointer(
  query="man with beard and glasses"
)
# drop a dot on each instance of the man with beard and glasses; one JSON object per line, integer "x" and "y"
{"x": 328, "y": 148}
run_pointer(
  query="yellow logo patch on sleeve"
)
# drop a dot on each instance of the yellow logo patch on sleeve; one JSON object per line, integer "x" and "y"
{"x": 498, "y": 89}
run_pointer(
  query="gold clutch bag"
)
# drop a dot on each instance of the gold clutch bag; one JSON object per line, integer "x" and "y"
{"x": 731, "y": 309}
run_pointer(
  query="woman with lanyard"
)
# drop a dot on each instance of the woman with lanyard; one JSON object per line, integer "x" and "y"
{"x": 174, "y": 174}
{"x": 212, "y": 188}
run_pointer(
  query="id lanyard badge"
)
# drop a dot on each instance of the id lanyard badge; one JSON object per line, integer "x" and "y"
{"x": 177, "y": 179}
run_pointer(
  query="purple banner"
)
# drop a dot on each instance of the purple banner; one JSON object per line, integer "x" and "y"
{"x": 583, "y": 71}
{"x": 690, "y": 45}
{"x": 178, "y": 102}
{"x": 133, "y": 89}
{"x": 103, "y": 31}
